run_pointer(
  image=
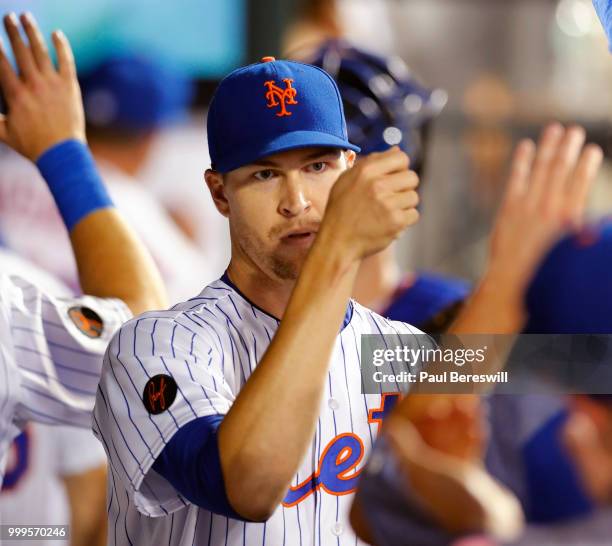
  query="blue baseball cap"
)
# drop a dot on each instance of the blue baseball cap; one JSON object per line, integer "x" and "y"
{"x": 271, "y": 107}
{"x": 134, "y": 93}
{"x": 572, "y": 291}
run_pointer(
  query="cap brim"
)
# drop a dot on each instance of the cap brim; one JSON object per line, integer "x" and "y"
{"x": 283, "y": 143}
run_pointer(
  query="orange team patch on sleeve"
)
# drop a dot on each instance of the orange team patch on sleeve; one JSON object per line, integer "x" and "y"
{"x": 277, "y": 96}
{"x": 87, "y": 321}
{"x": 159, "y": 393}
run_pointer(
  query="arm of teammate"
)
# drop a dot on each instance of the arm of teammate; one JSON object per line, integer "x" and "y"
{"x": 261, "y": 446}
{"x": 87, "y": 499}
{"x": 45, "y": 123}
{"x": 81, "y": 466}
{"x": 546, "y": 195}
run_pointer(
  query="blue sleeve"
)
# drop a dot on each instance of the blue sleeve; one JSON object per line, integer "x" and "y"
{"x": 191, "y": 463}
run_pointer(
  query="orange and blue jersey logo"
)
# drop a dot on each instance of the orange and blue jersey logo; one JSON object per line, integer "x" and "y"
{"x": 337, "y": 472}
{"x": 277, "y": 96}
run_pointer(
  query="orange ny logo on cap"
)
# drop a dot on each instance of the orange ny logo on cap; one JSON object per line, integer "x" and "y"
{"x": 280, "y": 97}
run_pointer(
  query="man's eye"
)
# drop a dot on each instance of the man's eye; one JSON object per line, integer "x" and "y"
{"x": 318, "y": 167}
{"x": 264, "y": 175}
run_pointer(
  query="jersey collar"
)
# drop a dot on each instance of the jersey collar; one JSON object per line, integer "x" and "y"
{"x": 225, "y": 278}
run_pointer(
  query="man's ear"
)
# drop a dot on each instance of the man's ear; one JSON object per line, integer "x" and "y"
{"x": 350, "y": 156}
{"x": 214, "y": 181}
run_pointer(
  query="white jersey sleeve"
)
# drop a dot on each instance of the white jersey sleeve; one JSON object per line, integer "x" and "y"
{"x": 159, "y": 373}
{"x": 56, "y": 345}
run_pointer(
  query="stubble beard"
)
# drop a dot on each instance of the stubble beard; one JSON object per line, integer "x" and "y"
{"x": 278, "y": 263}
{"x": 285, "y": 269}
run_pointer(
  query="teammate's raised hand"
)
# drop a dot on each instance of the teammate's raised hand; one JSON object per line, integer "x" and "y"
{"x": 372, "y": 203}
{"x": 546, "y": 195}
{"x": 44, "y": 102}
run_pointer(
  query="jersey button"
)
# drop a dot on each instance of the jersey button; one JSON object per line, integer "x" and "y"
{"x": 333, "y": 404}
{"x": 337, "y": 529}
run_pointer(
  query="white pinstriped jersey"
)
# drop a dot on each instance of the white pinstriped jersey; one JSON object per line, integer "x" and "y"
{"x": 209, "y": 346}
{"x": 50, "y": 356}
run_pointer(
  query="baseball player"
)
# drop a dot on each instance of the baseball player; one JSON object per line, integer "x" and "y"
{"x": 50, "y": 347}
{"x": 237, "y": 417}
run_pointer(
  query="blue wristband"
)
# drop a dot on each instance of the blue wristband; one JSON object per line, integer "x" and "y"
{"x": 72, "y": 176}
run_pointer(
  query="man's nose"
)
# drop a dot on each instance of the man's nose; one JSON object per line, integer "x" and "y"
{"x": 294, "y": 199}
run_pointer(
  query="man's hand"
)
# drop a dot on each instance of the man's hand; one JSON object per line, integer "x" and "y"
{"x": 438, "y": 442}
{"x": 450, "y": 423}
{"x": 44, "y": 109}
{"x": 546, "y": 195}
{"x": 372, "y": 203}
{"x": 44, "y": 103}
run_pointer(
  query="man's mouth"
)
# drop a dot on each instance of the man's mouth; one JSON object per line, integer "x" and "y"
{"x": 302, "y": 237}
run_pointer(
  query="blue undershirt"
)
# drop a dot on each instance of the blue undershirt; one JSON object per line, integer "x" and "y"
{"x": 192, "y": 464}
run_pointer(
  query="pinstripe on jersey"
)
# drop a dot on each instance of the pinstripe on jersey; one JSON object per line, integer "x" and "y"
{"x": 49, "y": 369}
{"x": 210, "y": 346}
